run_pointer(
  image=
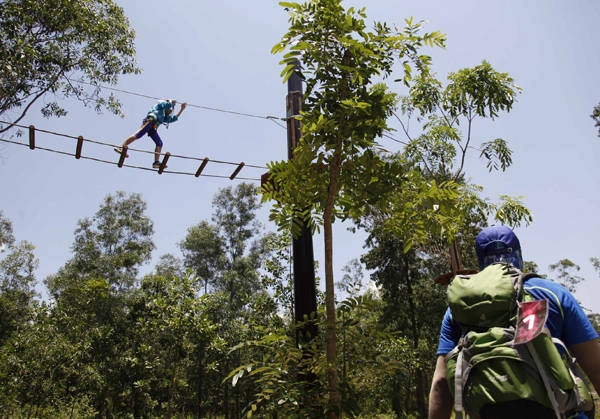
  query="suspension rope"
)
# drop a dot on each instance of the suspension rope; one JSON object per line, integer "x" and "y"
{"x": 272, "y": 118}
{"x": 32, "y": 145}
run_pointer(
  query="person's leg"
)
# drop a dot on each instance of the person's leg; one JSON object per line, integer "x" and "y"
{"x": 146, "y": 125}
{"x": 157, "y": 151}
{"x": 156, "y": 138}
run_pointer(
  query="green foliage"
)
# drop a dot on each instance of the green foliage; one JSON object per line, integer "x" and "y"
{"x": 497, "y": 154}
{"x": 596, "y": 117}
{"x": 227, "y": 253}
{"x": 292, "y": 381}
{"x": 595, "y": 263}
{"x": 203, "y": 251}
{"x": 46, "y": 44}
{"x": 276, "y": 273}
{"x": 171, "y": 335}
{"x": 470, "y": 93}
{"x": 113, "y": 244}
{"x": 345, "y": 110}
{"x": 17, "y": 280}
{"x": 480, "y": 91}
{"x": 529, "y": 266}
{"x": 113, "y": 345}
{"x": 511, "y": 211}
{"x": 412, "y": 306}
{"x": 42, "y": 373}
{"x": 274, "y": 373}
{"x": 435, "y": 201}
{"x": 566, "y": 274}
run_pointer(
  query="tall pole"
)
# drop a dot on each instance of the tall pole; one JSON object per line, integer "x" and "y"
{"x": 305, "y": 296}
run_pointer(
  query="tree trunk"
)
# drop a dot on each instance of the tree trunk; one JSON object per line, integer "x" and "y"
{"x": 420, "y": 387}
{"x": 335, "y": 400}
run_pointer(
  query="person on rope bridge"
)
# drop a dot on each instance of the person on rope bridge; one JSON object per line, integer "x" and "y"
{"x": 161, "y": 113}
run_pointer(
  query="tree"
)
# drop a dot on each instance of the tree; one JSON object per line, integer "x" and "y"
{"x": 17, "y": 280}
{"x": 595, "y": 263}
{"x": 436, "y": 208}
{"x": 202, "y": 249}
{"x": 172, "y": 335}
{"x": 530, "y": 266}
{"x": 46, "y": 45}
{"x": 42, "y": 372}
{"x": 169, "y": 266}
{"x": 352, "y": 281}
{"x": 566, "y": 274}
{"x": 335, "y": 164}
{"x": 112, "y": 245}
{"x": 92, "y": 294}
{"x": 478, "y": 92}
{"x": 226, "y": 254}
{"x": 438, "y": 198}
{"x": 596, "y": 117}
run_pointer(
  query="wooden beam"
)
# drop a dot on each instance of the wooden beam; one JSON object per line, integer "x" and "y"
{"x": 79, "y": 147}
{"x": 122, "y": 156}
{"x": 236, "y": 171}
{"x": 163, "y": 165}
{"x": 31, "y": 137}
{"x": 202, "y": 166}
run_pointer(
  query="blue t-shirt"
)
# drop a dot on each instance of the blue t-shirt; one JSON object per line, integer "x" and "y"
{"x": 566, "y": 319}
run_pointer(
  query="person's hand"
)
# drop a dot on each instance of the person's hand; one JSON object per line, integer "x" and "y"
{"x": 183, "y": 105}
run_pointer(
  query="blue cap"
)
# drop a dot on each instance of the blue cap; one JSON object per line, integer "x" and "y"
{"x": 498, "y": 244}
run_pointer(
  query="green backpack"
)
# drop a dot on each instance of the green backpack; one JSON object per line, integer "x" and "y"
{"x": 506, "y": 354}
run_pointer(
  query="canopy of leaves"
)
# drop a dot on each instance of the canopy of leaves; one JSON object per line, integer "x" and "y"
{"x": 596, "y": 117}
{"x": 17, "y": 279}
{"x": 44, "y": 45}
{"x": 346, "y": 108}
{"x": 111, "y": 245}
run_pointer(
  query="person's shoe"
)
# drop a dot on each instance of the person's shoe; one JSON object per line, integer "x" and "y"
{"x": 118, "y": 150}
{"x": 156, "y": 164}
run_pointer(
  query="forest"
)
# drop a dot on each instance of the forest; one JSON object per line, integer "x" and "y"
{"x": 211, "y": 335}
{"x": 212, "y": 332}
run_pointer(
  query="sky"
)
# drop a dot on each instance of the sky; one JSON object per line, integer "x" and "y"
{"x": 216, "y": 56}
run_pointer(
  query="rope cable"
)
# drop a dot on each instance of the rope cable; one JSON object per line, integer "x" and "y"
{"x": 127, "y": 165}
{"x": 129, "y": 149}
{"x": 268, "y": 117}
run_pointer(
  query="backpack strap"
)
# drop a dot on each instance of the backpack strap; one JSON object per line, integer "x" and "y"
{"x": 529, "y": 275}
{"x": 545, "y": 379}
{"x": 458, "y": 387}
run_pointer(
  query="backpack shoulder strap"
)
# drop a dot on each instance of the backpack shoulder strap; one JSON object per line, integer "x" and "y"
{"x": 529, "y": 275}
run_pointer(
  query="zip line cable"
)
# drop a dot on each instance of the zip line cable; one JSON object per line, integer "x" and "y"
{"x": 274, "y": 119}
{"x": 167, "y": 155}
{"x": 81, "y": 140}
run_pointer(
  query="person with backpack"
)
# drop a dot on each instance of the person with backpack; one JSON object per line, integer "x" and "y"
{"x": 499, "y": 246}
{"x": 161, "y": 113}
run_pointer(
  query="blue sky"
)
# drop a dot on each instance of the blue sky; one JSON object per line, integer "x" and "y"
{"x": 217, "y": 55}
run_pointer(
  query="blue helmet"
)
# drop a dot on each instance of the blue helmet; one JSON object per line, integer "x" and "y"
{"x": 498, "y": 244}
{"x": 171, "y": 108}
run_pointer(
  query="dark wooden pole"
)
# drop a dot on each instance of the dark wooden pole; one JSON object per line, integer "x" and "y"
{"x": 305, "y": 295}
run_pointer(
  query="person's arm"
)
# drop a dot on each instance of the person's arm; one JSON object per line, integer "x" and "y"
{"x": 181, "y": 108}
{"x": 440, "y": 398}
{"x": 587, "y": 355}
